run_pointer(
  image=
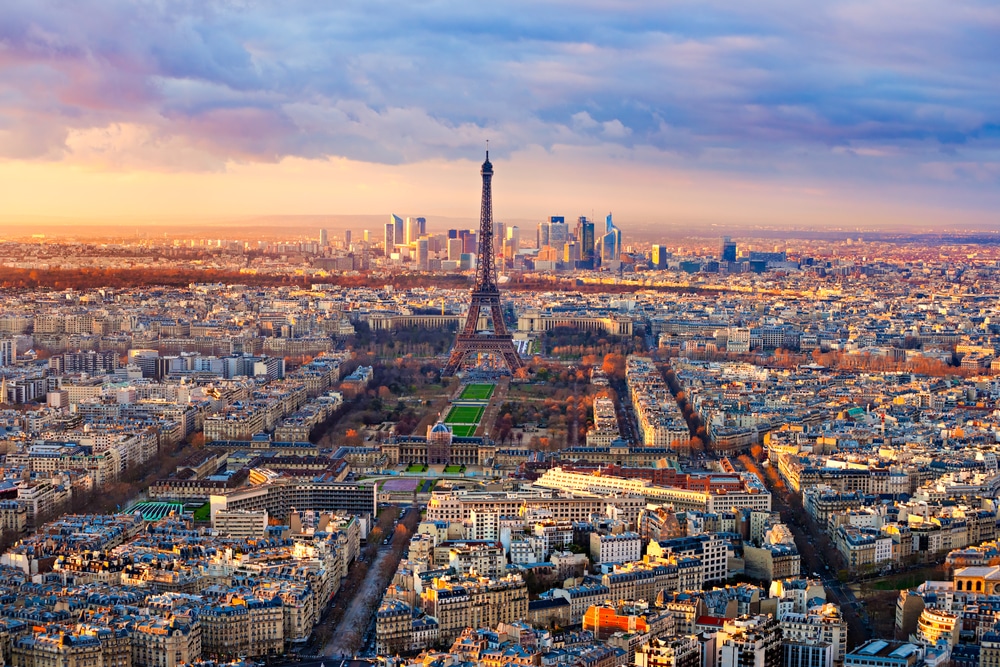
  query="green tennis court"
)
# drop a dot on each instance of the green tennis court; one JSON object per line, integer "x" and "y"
{"x": 155, "y": 510}
{"x": 477, "y": 392}
{"x": 464, "y": 414}
{"x": 464, "y": 430}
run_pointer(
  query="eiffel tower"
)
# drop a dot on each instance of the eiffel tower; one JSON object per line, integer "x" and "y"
{"x": 485, "y": 296}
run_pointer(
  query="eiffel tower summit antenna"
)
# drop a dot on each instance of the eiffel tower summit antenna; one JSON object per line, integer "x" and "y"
{"x": 485, "y": 296}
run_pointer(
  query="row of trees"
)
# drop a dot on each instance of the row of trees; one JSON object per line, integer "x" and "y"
{"x": 569, "y": 343}
{"x": 381, "y": 402}
{"x": 768, "y": 474}
{"x": 96, "y": 277}
{"x": 839, "y": 360}
{"x": 362, "y": 590}
{"x": 918, "y": 364}
{"x": 413, "y": 341}
{"x": 571, "y": 414}
{"x": 699, "y": 441}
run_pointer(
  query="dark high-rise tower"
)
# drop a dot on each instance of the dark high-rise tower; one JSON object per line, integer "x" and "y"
{"x": 728, "y": 251}
{"x": 485, "y": 296}
{"x": 585, "y": 237}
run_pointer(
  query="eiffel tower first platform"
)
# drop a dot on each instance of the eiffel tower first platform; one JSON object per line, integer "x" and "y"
{"x": 485, "y": 297}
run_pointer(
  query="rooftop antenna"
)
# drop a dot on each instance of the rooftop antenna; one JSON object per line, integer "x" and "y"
{"x": 487, "y": 149}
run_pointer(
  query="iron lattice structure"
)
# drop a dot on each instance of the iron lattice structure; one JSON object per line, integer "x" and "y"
{"x": 485, "y": 297}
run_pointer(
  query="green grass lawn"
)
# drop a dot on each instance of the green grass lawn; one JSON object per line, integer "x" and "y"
{"x": 464, "y": 430}
{"x": 417, "y": 467}
{"x": 203, "y": 513}
{"x": 477, "y": 392}
{"x": 454, "y": 469}
{"x": 907, "y": 579}
{"x": 464, "y": 414}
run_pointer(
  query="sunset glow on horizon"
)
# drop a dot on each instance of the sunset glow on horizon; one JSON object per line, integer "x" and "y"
{"x": 850, "y": 114}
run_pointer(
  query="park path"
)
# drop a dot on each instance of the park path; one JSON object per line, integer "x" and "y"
{"x": 496, "y": 400}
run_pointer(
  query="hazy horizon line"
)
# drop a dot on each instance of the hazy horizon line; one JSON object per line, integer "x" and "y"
{"x": 434, "y": 221}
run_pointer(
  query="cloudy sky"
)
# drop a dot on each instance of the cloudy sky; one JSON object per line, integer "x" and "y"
{"x": 846, "y": 113}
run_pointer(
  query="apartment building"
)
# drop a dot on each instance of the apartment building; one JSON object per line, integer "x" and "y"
{"x": 749, "y": 641}
{"x": 616, "y": 548}
{"x": 280, "y": 497}
{"x": 446, "y": 506}
{"x": 243, "y": 626}
{"x": 57, "y": 649}
{"x": 863, "y": 548}
{"x": 823, "y": 626}
{"x": 582, "y": 597}
{"x": 641, "y": 581}
{"x": 460, "y": 602}
{"x": 13, "y": 517}
{"x": 240, "y": 523}
{"x": 754, "y": 496}
{"x": 711, "y": 550}
{"x": 485, "y": 559}
{"x": 393, "y": 627}
{"x": 938, "y": 626}
{"x": 683, "y": 651}
{"x": 161, "y": 642}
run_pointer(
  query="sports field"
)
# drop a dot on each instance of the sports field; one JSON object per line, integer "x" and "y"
{"x": 477, "y": 392}
{"x": 464, "y": 414}
{"x": 463, "y": 430}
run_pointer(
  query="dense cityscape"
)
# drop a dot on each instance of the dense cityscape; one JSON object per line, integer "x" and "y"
{"x": 614, "y": 452}
{"x": 506, "y": 334}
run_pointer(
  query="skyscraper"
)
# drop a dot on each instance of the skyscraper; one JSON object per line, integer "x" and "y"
{"x": 422, "y": 254}
{"x": 323, "y": 238}
{"x": 542, "y": 235}
{"x": 585, "y": 237}
{"x": 399, "y": 230}
{"x": 608, "y": 253}
{"x": 571, "y": 253}
{"x": 469, "y": 240}
{"x": 347, "y": 238}
{"x": 514, "y": 236}
{"x": 455, "y": 249}
{"x": 659, "y": 256}
{"x": 422, "y": 225}
{"x": 412, "y": 230}
{"x": 499, "y": 234}
{"x": 558, "y": 233}
{"x": 611, "y": 242}
{"x": 366, "y": 236}
{"x": 390, "y": 237}
{"x": 727, "y": 253}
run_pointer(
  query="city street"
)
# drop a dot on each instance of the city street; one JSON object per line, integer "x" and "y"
{"x": 354, "y": 633}
{"x": 348, "y": 637}
{"x": 816, "y": 560}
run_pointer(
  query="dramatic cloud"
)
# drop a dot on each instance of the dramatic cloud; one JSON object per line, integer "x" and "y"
{"x": 853, "y": 90}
